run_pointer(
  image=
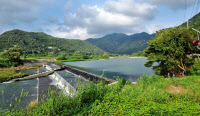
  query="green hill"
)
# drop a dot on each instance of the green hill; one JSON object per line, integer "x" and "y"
{"x": 38, "y": 43}
{"x": 119, "y": 43}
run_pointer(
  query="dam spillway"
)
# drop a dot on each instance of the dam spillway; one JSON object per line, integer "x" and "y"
{"x": 65, "y": 80}
{"x": 61, "y": 79}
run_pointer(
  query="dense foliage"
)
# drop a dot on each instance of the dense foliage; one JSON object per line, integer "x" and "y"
{"x": 38, "y": 43}
{"x": 119, "y": 43}
{"x": 10, "y": 57}
{"x": 138, "y": 54}
{"x": 12, "y": 54}
{"x": 151, "y": 96}
{"x": 170, "y": 49}
{"x": 7, "y": 63}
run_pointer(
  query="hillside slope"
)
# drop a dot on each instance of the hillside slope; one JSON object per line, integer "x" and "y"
{"x": 119, "y": 43}
{"x": 38, "y": 43}
{"x": 194, "y": 21}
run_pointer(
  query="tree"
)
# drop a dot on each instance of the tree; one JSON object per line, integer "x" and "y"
{"x": 63, "y": 57}
{"x": 13, "y": 54}
{"x": 55, "y": 51}
{"x": 170, "y": 49}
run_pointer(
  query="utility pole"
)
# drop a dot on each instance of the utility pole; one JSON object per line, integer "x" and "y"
{"x": 187, "y": 24}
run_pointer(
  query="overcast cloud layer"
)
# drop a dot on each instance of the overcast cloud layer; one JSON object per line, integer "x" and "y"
{"x": 86, "y": 21}
{"x": 20, "y": 11}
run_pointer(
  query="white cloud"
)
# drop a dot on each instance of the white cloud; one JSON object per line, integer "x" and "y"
{"x": 13, "y": 11}
{"x": 115, "y": 16}
{"x": 66, "y": 32}
{"x": 152, "y": 28}
{"x": 130, "y": 8}
{"x": 122, "y": 16}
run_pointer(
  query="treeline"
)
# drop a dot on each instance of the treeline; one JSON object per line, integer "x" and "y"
{"x": 138, "y": 54}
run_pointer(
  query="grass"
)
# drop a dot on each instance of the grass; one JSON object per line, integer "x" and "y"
{"x": 149, "y": 97}
{"x": 9, "y": 73}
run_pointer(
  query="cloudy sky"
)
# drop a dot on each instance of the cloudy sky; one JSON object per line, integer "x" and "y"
{"x": 82, "y": 19}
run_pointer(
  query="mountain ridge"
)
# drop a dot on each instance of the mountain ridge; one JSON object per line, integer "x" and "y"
{"x": 124, "y": 44}
{"x": 120, "y": 43}
{"x": 38, "y": 43}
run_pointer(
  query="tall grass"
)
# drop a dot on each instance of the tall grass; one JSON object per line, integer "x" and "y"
{"x": 7, "y": 74}
{"x": 148, "y": 97}
{"x": 6, "y": 63}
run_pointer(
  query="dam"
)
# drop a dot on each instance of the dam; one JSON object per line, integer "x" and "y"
{"x": 61, "y": 79}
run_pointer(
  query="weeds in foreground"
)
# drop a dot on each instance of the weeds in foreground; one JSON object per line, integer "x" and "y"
{"x": 148, "y": 97}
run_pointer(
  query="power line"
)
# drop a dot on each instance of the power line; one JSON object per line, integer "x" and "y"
{"x": 185, "y": 10}
{"x": 192, "y": 13}
{"x": 197, "y": 6}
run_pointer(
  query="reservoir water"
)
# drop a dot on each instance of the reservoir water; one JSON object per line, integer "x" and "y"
{"x": 128, "y": 68}
{"x": 10, "y": 93}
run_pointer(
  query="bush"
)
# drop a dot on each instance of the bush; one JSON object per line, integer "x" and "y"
{"x": 195, "y": 69}
{"x": 62, "y": 57}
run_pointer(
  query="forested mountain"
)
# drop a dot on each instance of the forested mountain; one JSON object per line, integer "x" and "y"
{"x": 38, "y": 43}
{"x": 119, "y": 43}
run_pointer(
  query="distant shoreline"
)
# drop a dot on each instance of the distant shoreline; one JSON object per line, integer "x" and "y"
{"x": 137, "y": 57}
{"x": 128, "y": 57}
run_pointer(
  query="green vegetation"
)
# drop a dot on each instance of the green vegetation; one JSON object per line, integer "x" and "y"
{"x": 7, "y": 74}
{"x": 171, "y": 49}
{"x": 34, "y": 44}
{"x": 138, "y": 54}
{"x": 152, "y": 95}
{"x": 79, "y": 57}
{"x": 119, "y": 43}
{"x": 7, "y": 63}
{"x": 10, "y": 57}
{"x": 12, "y": 54}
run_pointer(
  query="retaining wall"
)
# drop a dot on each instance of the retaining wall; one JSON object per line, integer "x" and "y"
{"x": 87, "y": 75}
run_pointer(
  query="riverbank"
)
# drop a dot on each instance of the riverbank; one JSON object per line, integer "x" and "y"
{"x": 128, "y": 57}
{"x": 75, "y": 58}
{"x": 9, "y": 73}
{"x": 153, "y": 95}
{"x": 137, "y": 57}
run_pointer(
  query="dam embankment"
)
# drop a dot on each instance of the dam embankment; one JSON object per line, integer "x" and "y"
{"x": 88, "y": 76}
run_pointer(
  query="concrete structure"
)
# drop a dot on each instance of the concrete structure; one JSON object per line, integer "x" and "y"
{"x": 49, "y": 79}
{"x": 88, "y": 76}
{"x": 54, "y": 82}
